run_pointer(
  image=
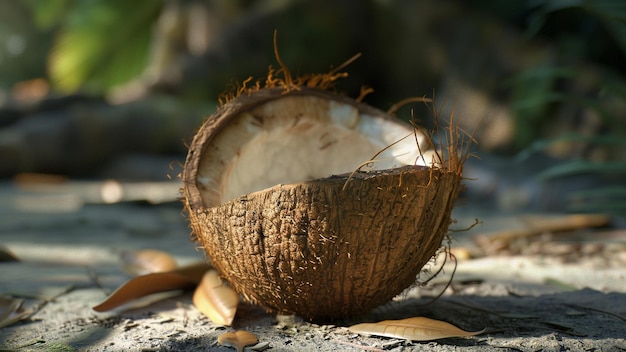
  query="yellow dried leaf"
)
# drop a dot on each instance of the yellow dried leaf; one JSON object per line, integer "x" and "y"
{"x": 215, "y": 299}
{"x": 147, "y": 261}
{"x": 238, "y": 339}
{"x": 140, "y": 286}
{"x": 416, "y": 329}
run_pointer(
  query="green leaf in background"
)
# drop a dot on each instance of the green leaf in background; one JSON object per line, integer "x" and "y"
{"x": 47, "y": 14}
{"x": 611, "y": 191}
{"x": 533, "y": 90}
{"x": 610, "y": 199}
{"x": 577, "y": 167}
{"x": 612, "y": 13}
{"x": 543, "y": 144}
{"x": 102, "y": 43}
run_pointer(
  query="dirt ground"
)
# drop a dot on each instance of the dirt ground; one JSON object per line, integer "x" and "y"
{"x": 526, "y": 300}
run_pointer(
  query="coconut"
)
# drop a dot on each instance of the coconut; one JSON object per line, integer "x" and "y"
{"x": 312, "y": 203}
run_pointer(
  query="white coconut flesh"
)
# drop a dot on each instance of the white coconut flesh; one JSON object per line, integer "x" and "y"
{"x": 301, "y": 138}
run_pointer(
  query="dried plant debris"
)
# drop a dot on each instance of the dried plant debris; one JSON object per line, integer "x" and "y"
{"x": 415, "y": 329}
{"x": 182, "y": 278}
{"x": 212, "y": 296}
{"x": 238, "y": 339}
{"x": 147, "y": 261}
{"x": 261, "y": 346}
{"x": 7, "y": 256}
{"x": 215, "y": 299}
{"x": 540, "y": 235}
{"x": 12, "y": 310}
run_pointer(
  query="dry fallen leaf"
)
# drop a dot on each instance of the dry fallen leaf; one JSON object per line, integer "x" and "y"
{"x": 147, "y": 261}
{"x": 140, "y": 286}
{"x": 238, "y": 339}
{"x": 7, "y": 256}
{"x": 12, "y": 311}
{"x": 261, "y": 346}
{"x": 216, "y": 299}
{"x": 416, "y": 329}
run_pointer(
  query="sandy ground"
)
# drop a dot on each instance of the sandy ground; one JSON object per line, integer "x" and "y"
{"x": 527, "y": 302}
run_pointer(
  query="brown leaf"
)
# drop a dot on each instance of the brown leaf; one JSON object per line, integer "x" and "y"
{"x": 7, "y": 256}
{"x": 416, "y": 329}
{"x": 216, "y": 299}
{"x": 140, "y": 286}
{"x": 238, "y": 339}
{"x": 147, "y": 261}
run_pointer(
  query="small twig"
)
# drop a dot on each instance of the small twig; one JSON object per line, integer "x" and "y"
{"x": 372, "y": 160}
{"x": 35, "y": 308}
{"x": 445, "y": 260}
{"x": 345, "y": 64}
{"x": 364, "y": 91}
{"x": 285, "y": 71}
{"x": 356, "y": 345}
{"x": 597, "y": 310}
{"x": 403, "y": 102}
{"x": 476, "y": 222}
{"x": 93, "y": 277}
{"x": 65, "y": 291}
{"x": 29, "y": 344}
{"x": 472, "y": 306}
{"x": 447, "y": 284}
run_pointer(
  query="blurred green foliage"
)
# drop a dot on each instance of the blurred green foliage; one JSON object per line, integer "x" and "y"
{"x": 581, "y": 31}
{"x": 90, "y": 45}
{"x": 23, "y": 46}
{"x": 48, "y": 14}
{"x": 94, "y": 45}
{"x": 98, "y": 44}
{"x": 591, "y": 17}
{"x": 590, "y": 30}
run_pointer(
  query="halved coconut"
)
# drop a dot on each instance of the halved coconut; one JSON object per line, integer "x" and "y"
{"x": 280, "y": 194}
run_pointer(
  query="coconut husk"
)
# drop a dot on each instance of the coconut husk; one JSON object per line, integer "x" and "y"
{"x": 322, "y": 250}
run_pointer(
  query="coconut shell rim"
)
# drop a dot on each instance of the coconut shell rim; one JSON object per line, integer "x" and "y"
{"x": 343, "y": 178}
{"x": 214, "y": 123}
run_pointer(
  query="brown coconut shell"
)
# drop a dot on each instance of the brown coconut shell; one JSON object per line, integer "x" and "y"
{"x": 326, "y": 248}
